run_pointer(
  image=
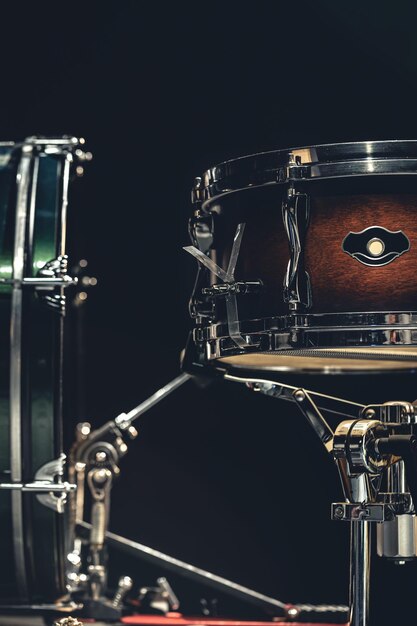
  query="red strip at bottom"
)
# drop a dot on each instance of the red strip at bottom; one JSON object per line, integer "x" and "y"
{"x": 160, "y": 620}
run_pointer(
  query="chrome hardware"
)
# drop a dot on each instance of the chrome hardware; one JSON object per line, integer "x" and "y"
{"x": 96, "y": 455}
{"x": 376, "y": 246}
{"x": 353, "y": 512}
{"x": 124, "y": 420}
{"x": 392, "y": 412}
{"x": 168, "y": 593}
{"x": 124, "y": 585}
{"x": 51, "y": 276}
{"x": 200, "y": 228}
{"x": 358, "y": 436}
{"x": 365, "y": 449}
{"x": 42, "y": 284}
{"x": 322, "y": 402}
{"x": 302, "y": 333}
{"x": 161, "y": 597}
{"x": 39, "y": 487}
{"x": 228, "y": 277}
{"x": 99, "y": 480}
{"x": 280, "y": 167}
{"x": 397, "y": 538}
{"x": 310, "y": 410}
{"x": 189, "y": 571}
{"x": 295, "y": 610}
{"x": 195, "y": 192}
{"x": 68, "y": 621}
{"x": 223, "y": 289}
{"x": 52, "y": 472}
{"x": 295, "y": 213}
{"x": 83, "y": 429}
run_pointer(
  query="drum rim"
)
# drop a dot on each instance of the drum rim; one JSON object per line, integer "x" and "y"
{"x": 311, "y": 331}
{"x": 306, "y": 163}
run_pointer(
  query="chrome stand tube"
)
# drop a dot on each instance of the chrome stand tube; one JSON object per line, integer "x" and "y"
{"x": 360, "y": 562}
{"x": 127, "y": 418}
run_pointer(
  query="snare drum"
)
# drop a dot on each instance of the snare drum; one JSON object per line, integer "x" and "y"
{"x": 307, "y": 260}
{"x": 34, "y": 179}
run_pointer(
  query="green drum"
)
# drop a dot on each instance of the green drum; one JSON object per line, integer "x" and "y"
{"x": 34, "y": 180}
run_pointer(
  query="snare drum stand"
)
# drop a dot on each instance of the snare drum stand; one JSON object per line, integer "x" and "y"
{"x": 375, "y": 449}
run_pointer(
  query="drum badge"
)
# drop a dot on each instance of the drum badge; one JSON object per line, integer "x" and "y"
{"x": 376, "y": 246}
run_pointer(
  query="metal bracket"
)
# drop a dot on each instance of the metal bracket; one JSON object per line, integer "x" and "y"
{"x": 161, "y": 597}
{"x": 295, "y": 213}
{"x": 228, "y": 277}
{"x": 52, "y": 473}
{"x": 52, "y": 275}
{"x": 358, "y": 512}
{"x": 223, "y": 289}
{"x": 391, "y": 413}
{"x": 200, "y": 229}
{"x": 48, "y": 485}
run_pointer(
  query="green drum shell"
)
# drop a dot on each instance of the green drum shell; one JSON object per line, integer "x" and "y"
{"x": 43, "y": 549}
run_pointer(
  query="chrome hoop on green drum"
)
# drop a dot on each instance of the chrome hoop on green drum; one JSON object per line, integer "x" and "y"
{"x": 307, "y": 261}
{"x": 34, "y": 179}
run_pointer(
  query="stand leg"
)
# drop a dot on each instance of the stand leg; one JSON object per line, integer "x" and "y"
{"x": 360, "y": 561}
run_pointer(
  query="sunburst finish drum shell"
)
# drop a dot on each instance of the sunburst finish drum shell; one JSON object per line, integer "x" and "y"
{"x": 352, "y": 250}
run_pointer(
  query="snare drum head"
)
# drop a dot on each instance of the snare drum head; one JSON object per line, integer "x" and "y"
{"x": 324, "y": 279}
{"x": 381, "y": 359}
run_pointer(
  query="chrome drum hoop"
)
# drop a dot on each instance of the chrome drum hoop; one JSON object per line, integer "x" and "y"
{"x": 309, "y": 331}
{"x": 319, "y": 162}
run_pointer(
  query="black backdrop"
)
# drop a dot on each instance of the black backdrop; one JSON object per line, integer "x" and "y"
{"x": 227, "y": 480}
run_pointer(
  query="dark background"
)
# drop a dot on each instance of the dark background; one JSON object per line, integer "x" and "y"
{"x": 230, "y": 481}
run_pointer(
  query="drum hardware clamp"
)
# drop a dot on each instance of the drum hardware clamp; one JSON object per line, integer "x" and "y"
{"x": 238, "y": 287}
{"x": 48, "y": 486}
{"x": 52, "y": 274}
{"x": 379, "y": 441}
{"x": 229, "y": 289}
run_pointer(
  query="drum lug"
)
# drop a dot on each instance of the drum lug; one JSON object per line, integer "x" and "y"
{"x": 51, "y": 276}
{"x": 297, "y": 287}
{"x": 200, "y": 228}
